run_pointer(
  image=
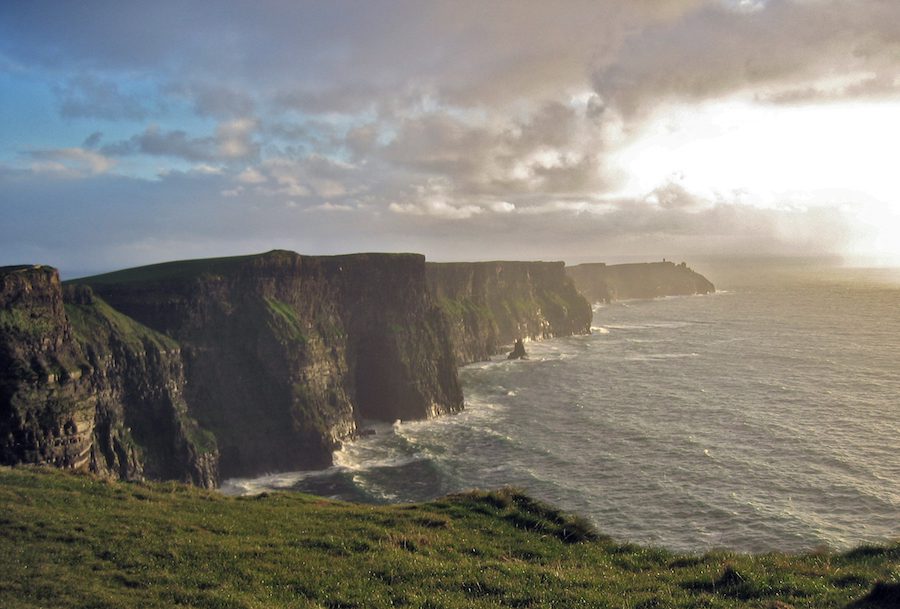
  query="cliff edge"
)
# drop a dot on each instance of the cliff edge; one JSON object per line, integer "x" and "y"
{"x": 285, "y": 354}
{"x": 491, "y": 304}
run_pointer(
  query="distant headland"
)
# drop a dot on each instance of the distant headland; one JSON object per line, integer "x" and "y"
{"x": 599, "y": 282}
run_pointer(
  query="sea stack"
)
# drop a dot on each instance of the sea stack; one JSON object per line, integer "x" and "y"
{"x": 518, "y": 351}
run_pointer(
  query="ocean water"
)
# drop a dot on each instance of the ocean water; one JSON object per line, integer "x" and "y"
{"x": 764, "y": 417}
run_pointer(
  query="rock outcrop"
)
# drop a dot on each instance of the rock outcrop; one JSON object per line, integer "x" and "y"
{"x": 84, "y": 387}
{"x": 599, "y": 282}
{"x": 285, "y": 354}
{"x": 518, "y": 351}
{"x": 491, "y": 304}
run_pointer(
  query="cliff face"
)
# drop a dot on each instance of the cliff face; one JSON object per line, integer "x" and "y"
{"x": 284, "y": 354}
{"x": 83, "y": 387}
{"x": 604, "y": 283}
{"x": 490, "y": 304}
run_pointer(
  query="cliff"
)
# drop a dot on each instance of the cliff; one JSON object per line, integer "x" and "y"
{"x": 599, "y": 282}
{"x": 489, "y": 305}
{"x": 285, "y": 354}
{"x": 86, "y": 388}
{"x": 250, "y": 364}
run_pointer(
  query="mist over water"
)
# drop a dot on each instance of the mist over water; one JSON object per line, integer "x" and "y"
{"x": 764, "y": 417}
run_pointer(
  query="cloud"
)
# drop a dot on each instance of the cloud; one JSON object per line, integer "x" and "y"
{"x": 313, "y": 178}
{"x": 552, "y": 150}
{"x": 233, "y": 140}
{"x": 714, "y": 51}
{"x": 156, "y": 142}
{"x": 437, "y": 208}
{"x": 862, "y": 86}
{"x": 251, "y": 175}
{"x": 403, "y": 125}
{"x": 69, "y": 162}
{"x": 328, "y": 206}
{"x": 93, "y": 140}
{"x": 184, "y": 214}
{"x": 213, "y": 99}
{"x": 322, "y": 58}
{"x": 88, "y": 96}
{"x": 502, "y": 207}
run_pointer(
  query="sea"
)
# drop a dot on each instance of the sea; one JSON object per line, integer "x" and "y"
{"x": 763, "y": 417}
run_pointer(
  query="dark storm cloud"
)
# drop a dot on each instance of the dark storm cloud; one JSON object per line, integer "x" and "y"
{"x": 324, "y": 56}
{"x": 715, "y": 51}
{"x": 340, "y": 56}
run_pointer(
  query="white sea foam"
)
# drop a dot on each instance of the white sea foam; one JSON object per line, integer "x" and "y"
{"x": 268, "y": 482}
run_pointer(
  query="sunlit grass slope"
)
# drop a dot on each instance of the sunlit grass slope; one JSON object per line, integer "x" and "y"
{"x": 74, "y": 541}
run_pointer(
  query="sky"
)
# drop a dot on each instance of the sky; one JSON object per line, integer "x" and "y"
{"x": 602, "y": 130}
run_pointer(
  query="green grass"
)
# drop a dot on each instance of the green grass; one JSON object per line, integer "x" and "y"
{"x": 286, "y": 319}
{"x": 94, "y": 323}
{"x": 188, "y": 269}
{"x": 33, "y": 324}
{"x": 73, "y": 541}
{"x": 178, "y": 269}
{"x": 464, "y": 308}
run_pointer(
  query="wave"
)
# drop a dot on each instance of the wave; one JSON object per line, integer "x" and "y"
{"x": 659, "y": 356}
{"x": 269, "y": 482}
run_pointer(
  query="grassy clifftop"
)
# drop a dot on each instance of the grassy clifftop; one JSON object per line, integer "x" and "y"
{"x": 74, "y": 541}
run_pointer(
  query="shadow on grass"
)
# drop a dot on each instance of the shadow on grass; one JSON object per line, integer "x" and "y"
{"x": 529, "y": 514}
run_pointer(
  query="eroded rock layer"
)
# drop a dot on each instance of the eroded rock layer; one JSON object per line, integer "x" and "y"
{"x": 84, "y": 387}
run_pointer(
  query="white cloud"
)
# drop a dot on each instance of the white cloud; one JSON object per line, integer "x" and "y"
{"x": 234, "y": 138}
{"x": 329, "y": 206}
{"x": 502, "y": 207}
{"x": 251, "y": 175}
{"x": 70, "y": 162}
{"x": 437, "y": 209}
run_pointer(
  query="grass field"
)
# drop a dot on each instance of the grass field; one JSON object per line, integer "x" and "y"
{"x": 74, "y": 541}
